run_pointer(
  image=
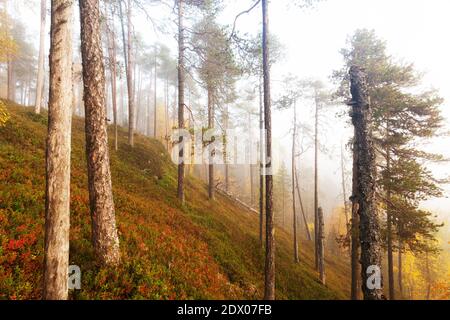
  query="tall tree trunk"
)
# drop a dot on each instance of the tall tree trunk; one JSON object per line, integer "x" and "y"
{"x": 113, "y": 70}
{"x": 212, "y": 151}
{"x": 225, "y": 154}
{"x": 400, "y": 268}
{"x": 75, "y": 86}
{"x": 128, "y": 70}
{"x": 354, "y": 234}
{"x": 369, "y": 227}
{"x": 166, "y": 110}
{"x": 181, "y": 80}
{"x": 57, "y": 200}
{"x": 344, "y": 191}
{"x": 427, "y": 266}
{"x": 104, "y": 231}
{"x": 269, "y": 289}
{"x": 283, "y": 200}
{"x": 41, "y": 59}
{"x": 26, "y": 97}
{"x": 11, "y": 80}
{"x": 149, "y": 111}
{"x": 308, "y": 233}
{"x": 316, "y": 174}
{"x": 155, "y": 102}
{"x": 134, "y": 67}
{"x": 321, "y": 251}
{"x": 389, "y": 227}
{"x": 261, "y": 164}
{"x": 252, "y": 192}
{"x": 294, "y": 213}
{"x": 22, "y": 92}
{"x": 25, "y": 92}
{"x": 130, "y": 78}
{"x": 227, "y": 176}
{"x": 122, "y": 101}
{"x": 138, "y": 89}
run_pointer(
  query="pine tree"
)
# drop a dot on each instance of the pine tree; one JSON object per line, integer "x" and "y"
{"x": 400, "y": 118}
{"x": 127, "y": 53}
{"x": 365, "y": 181}
{"x": 217, "y": 70}
{"x": 112, "y": 61}
{"x": 104, "y": 231}
{"x": 181, "y": 85}
{"x": 41, "y": 59}
{"x": 57, "y": 204}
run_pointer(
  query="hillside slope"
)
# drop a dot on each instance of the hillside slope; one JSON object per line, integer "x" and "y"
{"x": 203, "y": 250}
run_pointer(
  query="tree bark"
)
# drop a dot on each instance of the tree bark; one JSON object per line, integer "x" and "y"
{"x": 354, "y": 229}
{"x": 104, "y": 231}
{"x": 138, "y": 97}
{"x": 181, "y": 84}
{"x": 344, "y": 192}
{"x": 134, "y": 67}
{"x": 308, "y": 233}
{"x": 369, "y": 227}
{"x": 155, "y": 102}
{"x": 11, "y": 80}
{"x": 250, "y": 158}
{"x": 122, "y": 101}
{"x": 316, "y": 174}
{"x": 283, "y": 199}
{"x": 390, "y": 257}
{"x": 211, "y": 155}
{"x": 400, "y": 268}
{"x": 130, "y": 81}
{"x": 389, "y": 228}
{"x": 128, "y": 70}
{"x": 149, "y": 111}
{"x": 294, "y": 213}
{"x": 225, "y": 153}
{"x": 57, "y": 204}
{"x": 22, "y": 92}
{"x": 113, "y": 70}
{"x": 354, "y": 233}
{"x": 41, "y": 59}
{"x": 166, "y": 110}
{"x": 427, "y": 266}
{"x": 261, "y": 165}
{"x": 321, "y": 251}
{"x": 269, "y": 289}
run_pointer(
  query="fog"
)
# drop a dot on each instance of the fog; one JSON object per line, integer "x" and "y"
{"x": 415, "y": 31}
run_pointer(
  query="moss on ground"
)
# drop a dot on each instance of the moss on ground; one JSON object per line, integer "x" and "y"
{"x": 202, "y": 250}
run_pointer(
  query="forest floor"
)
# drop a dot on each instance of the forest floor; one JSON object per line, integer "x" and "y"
{"x": 202, "y": 250}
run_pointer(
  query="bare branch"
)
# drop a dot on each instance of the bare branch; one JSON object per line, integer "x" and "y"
{"x": 240, "y": 14}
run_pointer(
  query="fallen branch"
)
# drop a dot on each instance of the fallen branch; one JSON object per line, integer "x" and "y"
{"x": 233, "y": 198}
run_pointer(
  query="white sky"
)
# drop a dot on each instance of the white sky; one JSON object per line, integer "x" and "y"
{"x": 415, "y": 30}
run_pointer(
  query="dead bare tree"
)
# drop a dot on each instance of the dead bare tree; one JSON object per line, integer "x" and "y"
{"x": 181, "y": 84}
{"x": 269, "y": 289}
{"x": 321, "y": 238}
{"x": 364, "y": 196}
{"x": 294, "y": 212}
